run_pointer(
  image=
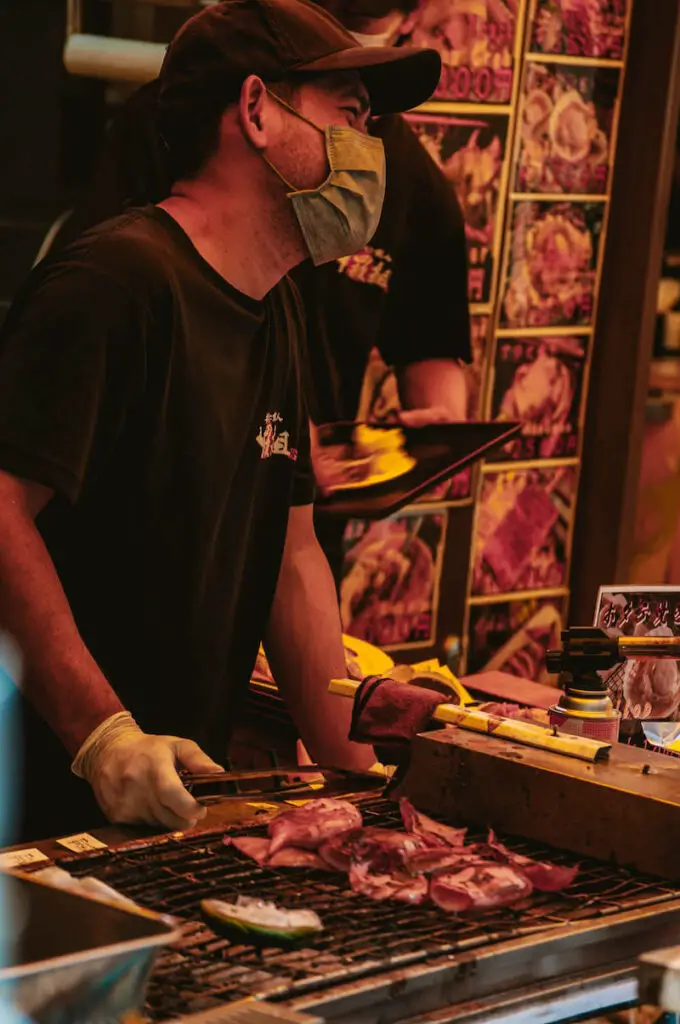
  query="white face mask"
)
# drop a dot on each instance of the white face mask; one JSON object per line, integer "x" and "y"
{"x": 341, "y": 216}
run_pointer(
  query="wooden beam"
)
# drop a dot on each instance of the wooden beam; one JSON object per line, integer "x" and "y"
{"x": 627, "y": 312}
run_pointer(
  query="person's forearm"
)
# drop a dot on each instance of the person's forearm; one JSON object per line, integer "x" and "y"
{"x": 305, "y": 651}
{"x": 435, "y": 384}
{"x": 61, "y": 679}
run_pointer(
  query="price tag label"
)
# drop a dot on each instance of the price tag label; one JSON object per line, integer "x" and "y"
{"x": 82, "y": 843}
{"x": 18, "y": 858}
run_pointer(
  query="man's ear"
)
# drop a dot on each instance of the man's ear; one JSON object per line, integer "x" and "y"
{"x": 255, "y": 112}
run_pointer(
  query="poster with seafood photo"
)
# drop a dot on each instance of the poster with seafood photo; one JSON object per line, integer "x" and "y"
{"x": 513, "y": 636}
{"x": 580, "y": 28}
{"x": 566, "y": 128}
{"x": 471, "y": 152}
{"x": 647, "y": 689}
{"x": 389, "y": 594}
{"x": 477, "y": 41}
{"x": 538, "y": 382}
{"x": 523, "y": 530}
{"x": 550, "y": 278}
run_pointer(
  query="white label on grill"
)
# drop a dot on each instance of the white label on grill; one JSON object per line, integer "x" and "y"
{"x": 17, "y": 858}
{"x": 82, "y": 843}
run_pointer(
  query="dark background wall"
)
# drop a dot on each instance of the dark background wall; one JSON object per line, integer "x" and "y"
{"x": 49, "y": 127}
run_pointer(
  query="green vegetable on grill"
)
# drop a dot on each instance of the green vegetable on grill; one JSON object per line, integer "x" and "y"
{"x": 257, "y": 923}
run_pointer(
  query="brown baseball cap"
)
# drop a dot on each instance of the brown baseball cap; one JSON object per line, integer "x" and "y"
{"x": 226, "y": 42}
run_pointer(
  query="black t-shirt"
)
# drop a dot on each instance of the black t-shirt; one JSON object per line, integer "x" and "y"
{"x": 165, "y": 409}
{"x": 405, "y": 293}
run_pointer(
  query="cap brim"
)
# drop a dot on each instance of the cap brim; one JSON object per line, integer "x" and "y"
{"x": 397, "y": 78}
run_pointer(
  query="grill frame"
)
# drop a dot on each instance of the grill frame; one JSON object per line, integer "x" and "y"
{"x": 483, "y": 957}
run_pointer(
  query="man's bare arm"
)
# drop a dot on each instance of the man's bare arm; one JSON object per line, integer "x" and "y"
{"x": 436, "y": 384}
{"x": 62, "y": 680}
{"x": 133, "y": 774}
{"x": 305, "y": 651}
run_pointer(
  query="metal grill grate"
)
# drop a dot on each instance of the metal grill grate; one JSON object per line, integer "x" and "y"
{"x": 361, "y": 936}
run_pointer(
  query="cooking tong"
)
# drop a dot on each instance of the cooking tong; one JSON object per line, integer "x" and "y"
{"x": 340, "y": 778}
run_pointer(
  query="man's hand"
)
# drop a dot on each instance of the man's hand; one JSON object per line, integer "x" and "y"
{"x": 134, "y": 775}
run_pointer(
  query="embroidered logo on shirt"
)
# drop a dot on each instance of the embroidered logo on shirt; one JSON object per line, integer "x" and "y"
{"x": 368, "y": 266}
{"x": 274, "y": 441}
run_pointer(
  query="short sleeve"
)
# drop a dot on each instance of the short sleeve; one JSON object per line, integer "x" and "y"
{"x": 68, "y": 370}
{"x": 426, "y": 314}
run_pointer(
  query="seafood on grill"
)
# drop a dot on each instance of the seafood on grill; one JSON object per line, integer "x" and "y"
{"x": 427, "y": 861}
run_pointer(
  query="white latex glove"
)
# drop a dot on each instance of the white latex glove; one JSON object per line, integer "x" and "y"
{"x": 134, "y": 775}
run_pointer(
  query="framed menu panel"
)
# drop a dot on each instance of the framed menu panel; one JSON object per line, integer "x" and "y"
{"x": 523, "y": 530}
{"x": 538, "y": 381}
{"x": 552, "y": 261}
{"x": 389, "y": 594}
{"x": 477, "y": 41}
{"x": 566, "y": 128}
{"x": 513, "y": 636}
{"x": 587, "y": 28}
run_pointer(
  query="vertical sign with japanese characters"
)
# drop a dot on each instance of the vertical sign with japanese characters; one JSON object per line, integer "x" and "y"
{"x": 561, "y": 152}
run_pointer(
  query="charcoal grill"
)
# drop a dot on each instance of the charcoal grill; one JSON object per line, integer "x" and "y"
{"x": 373, "y": 961}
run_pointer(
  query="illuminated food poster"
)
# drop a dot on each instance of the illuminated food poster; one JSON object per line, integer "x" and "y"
{"x": 390, "y": 586}
{"x": 470, "y": 152}
{"x": 552, "y": 263}
{"x": 580, "y": 28}
{"x": 566, "y": 128}
{"x": 513, "y": 636}
{"x": 523, "y": 530}
{"x": 648, "y": 689}
{"x": 476, "y": 41}
{"x": 538, "y": 382}
{"x": 642, "y": 689}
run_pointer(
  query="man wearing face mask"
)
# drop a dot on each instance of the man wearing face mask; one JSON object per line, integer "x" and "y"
{"x": 155, "y": 478}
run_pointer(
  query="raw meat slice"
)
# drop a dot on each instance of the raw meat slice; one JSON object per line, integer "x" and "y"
{"x": 255, "y": 847}
{"x": 544, "y": 877}
{"x": 381, "y": 849}
{"x": 438, "y": 859}
{"x": 432, "y": 832}
{"x": 396, "y": 886}
{"x": 290, "y": 857}
{"x": 258, "y": 848}
{"x": 311, "y": 825}
{"x": 479, "y": 888}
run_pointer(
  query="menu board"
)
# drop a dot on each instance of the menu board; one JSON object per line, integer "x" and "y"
{"x": 580, "y": 28}
{"x": 538, "y": 382}
{"x": 389, "y": 594}
{"x": 513, "y": 636}
{"x": 552, "y": 264}
{"x": 476, "y": 40}
{"x": 566, "y": 128}
{"x": 647, "y": 689}
{"x": 471, "y": 152}
{"x": 523, "y": 530}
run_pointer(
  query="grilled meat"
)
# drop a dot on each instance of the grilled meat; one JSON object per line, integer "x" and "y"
{"x": 431, "y": 832}
{"x": 480, "y": 887}
{"x": 309, "y": 826}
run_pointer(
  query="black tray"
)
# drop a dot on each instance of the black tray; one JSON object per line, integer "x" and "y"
{"x": 440, "y": 451}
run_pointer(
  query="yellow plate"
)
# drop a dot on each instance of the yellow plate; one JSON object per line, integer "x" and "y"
{"x": 372, "y": 661}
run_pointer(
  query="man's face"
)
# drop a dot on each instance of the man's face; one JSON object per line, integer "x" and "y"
{"x": 299, "y": 153}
